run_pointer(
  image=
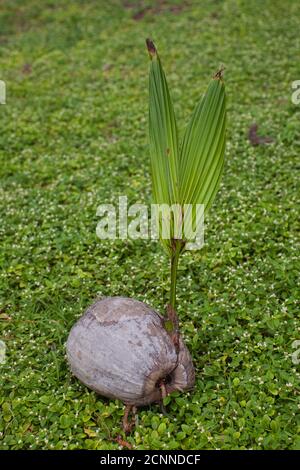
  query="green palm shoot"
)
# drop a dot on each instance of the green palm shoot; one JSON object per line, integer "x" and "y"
{"x": 184, "y": 174}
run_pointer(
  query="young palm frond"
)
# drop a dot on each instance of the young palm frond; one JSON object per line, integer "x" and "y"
{"x": 188, "y": 175}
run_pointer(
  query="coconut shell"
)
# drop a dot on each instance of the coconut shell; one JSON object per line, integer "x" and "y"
{"x": 120, "y": 349}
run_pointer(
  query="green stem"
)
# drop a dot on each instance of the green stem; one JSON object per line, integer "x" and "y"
{"x": 174, "y": 266}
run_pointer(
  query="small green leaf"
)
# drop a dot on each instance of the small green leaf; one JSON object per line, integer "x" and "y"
{"x": 162, "y": 428}
{"x": 236, "y": 381}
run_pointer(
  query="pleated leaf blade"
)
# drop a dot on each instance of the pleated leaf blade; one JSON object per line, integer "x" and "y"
{"x": 163, "y": 138}
{"x": 201, "y": 159}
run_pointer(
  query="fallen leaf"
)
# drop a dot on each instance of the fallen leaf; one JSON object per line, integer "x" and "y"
{"x": 256, "y": 139}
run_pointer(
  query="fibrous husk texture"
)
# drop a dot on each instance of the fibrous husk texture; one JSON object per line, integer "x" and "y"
{"x": 120, "y": 349}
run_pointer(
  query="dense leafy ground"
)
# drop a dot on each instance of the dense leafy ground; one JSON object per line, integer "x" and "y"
{"x": 74, "y": 135}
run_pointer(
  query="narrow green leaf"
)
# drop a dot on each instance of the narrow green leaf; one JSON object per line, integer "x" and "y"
{"x": 162, "y": 134}
{"x": 163, "y": 142}
{"x": 202, "y": 152}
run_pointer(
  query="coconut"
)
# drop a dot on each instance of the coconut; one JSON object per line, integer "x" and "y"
{"x": 121, "y": 349}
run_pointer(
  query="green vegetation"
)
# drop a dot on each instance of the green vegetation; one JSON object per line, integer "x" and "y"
{"x": 188, "y": 173}
{"x": 73, "y": 135}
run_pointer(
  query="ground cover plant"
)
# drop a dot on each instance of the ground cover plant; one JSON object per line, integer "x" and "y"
{"x": 74, "y": 135}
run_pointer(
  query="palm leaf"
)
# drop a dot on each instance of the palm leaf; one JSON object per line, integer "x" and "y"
{"x": 192, "y": 175}
{"x": 202, "y": 152}
{"x": 163, "y": 139}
